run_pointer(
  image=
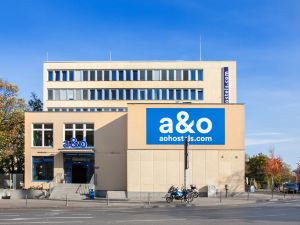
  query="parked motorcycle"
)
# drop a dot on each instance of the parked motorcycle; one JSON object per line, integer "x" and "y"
{"x": 195, "y": 191}
{"x": 179, "y": 194}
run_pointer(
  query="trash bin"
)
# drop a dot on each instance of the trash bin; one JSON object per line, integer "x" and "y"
{"x": 252, "y": 188}
{"x": 91, "y": 193}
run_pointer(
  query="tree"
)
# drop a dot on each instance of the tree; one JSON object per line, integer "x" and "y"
{"x": 273, "y": 169}
{"x": 255, "y": 169}
{"x": 35, "y": 104}
{"x": 11, "y": 129}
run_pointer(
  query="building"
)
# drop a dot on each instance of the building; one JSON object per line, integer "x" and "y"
{"x": 122, "y": 125}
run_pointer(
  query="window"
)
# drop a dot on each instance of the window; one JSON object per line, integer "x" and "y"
{"x": 135, "y": 74}
{"x": 150, "y": 94}
{"x": 185, "y": 94}
{"x": 142, "y": 75}
{"x": 57, "y": 75}
{"x": 185, "y": 75}
{"x": 70, "y": 94}
{"x": 164, "y": 94}
{"x": 99, "y": 75}
{"x": 149, "y": 75}
{"x": 82, "y": 132}
{"x": 42, "y": 168}
{"x": 85, "y": 94}
{"x": 193, "y": 75}
{"x": 50, "y": 75}
{"x": 113, "y": 75}
{"x": 156, "y": 94}
{"x": 106, "y": 75}
{"x": 56, "y": 95}
{"x": 50, "y": 94}
{"x": 113, "y": 94}
{"x": 193, "y": 95}
{"x": 42, "y": 135}
{"x": 178, "y": 74}
{"x": 156, "y": 75}
{"x": 92, "y": 75}
{"x": 127, "y": 94}
{"x": 85, "y": 75}
{"x": 71, "y": 75}
{"x": 178, "y": 94}
{"x": 171, "y": 74}
{"x": 200, "y": 74}
{"x": 164, "y": 75}
{"x": 99, "y": 93}
{"x": 200, "y": 95}
{"x": 77, "y": 75}
{"x": 64, "y": 75}
{"x": 128, "y": 74}
{"x": 121, "y": 75}
{"x": 142, "y": 94}
{"x": 121, "y": 95}
{"x": 135, "y": 94}
{"x": 63, "y": 95}
{"x": 106, "y": 94}
{"x": 92, "y": 95}
{"x": 78, "y": 94}
{"x": 171, "y": 94}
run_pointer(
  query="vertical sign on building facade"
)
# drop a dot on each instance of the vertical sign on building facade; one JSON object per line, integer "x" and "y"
{"x": 225, "y": 85}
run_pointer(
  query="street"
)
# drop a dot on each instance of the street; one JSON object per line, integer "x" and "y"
{"x": 275, "y": 213}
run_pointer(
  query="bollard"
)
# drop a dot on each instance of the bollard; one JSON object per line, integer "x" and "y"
{"x": 107, "y": 200}
{"x": 283, "y": 193}
{"x": 148, "y": 198}
{"x": 26, "y": 200}
{"x": 67, "y": 200}
{"x": 220, "y": 196}
{"x": 248, "y": 194}
{"x": 226, "y": 190}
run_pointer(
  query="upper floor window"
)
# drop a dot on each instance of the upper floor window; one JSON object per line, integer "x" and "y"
{"x": 64, "y": 75}
{"x": 82, "y": 132}
{"x": 71, "y": 75}
{"x": 200, "y": 74}
{"x": 50, "y": 75}
{"x": 42, "y": 135}
{"x": 57, "y": 75}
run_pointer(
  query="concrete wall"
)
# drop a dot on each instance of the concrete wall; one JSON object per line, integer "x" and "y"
{"x": 154, "y": 168}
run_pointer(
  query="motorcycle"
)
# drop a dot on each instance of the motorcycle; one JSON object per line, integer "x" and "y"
{"x": 179, "y": 194}
{"x": 194, "y": 190}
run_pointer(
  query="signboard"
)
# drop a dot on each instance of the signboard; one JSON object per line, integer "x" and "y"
{"x": 73, "y": 143}
{"x": 225, "y": 85}
{"x": 203, "y": 126}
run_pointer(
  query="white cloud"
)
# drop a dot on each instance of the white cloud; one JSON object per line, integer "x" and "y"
{"x": 268, "y": 141}
{"x": 264, "y": 134}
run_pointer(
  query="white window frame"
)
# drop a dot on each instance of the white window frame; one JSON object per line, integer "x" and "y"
{"x": 43, "y": 129}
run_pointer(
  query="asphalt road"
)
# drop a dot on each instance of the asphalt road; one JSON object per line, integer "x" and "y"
{"x": 275, "y": 213}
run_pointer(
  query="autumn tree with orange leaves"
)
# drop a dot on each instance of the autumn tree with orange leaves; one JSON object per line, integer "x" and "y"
{"x": 273, "y": 169}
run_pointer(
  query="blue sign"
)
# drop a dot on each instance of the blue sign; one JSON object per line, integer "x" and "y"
{"x": 203, "y": 126}
{"x": 73, "y": 143}
{"x": 226, "y": 85}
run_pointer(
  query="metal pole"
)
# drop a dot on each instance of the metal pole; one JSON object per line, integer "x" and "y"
{"x": 67, "y": 200}
{"x": 107, "y": 200}
{"x": 248, "y": 192}
{"x": 148, "y": 198}
{"x": 220, "y": 196}
{"x": 186, "y": 161}
{"x": 26, "y": 200}
{"x": 272, "y": 187}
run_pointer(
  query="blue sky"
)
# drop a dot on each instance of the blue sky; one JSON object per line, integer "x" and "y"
{"x": 261, "y": 35}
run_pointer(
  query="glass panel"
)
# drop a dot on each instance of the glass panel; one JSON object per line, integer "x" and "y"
{"x": 200, "y": 95}
{"x": 92, "y": 75}
{"x": 193, "y": 75}
{"x": 149, "y": 75}
{"x": 164, "y": 94}
{"x": 64, "y": 75}
{"x": 42, "y": 168}
{"x": 193, "y": 95}
{"x": 57, "y": 75}
{"x": 163, "y": 75}
{"x": 50, "y": 75}
{"x": 106, "y": 94}
{"x": 85, "y": 75}
{"x": 128, "y": 72}
{"x": 185, "y": 94}
{"x": 171, "y": 74}
{"x": 78, "y": 95}
{"x": 135, "y": 74}
{"x": 37, "y": 126}
{"x": 150, "y": 94}
{"x": 142, "y": 95}
{"x": 121, "y": 95}
{"x": 68, "y": 126}
{"x": 90, "y": 138}
{"x": 63, "y": 94}
{"x": 114, "y": 75}
{"x": 99, "y": 75}
{"x": 178, "y": 94}
{"x": 99, "y": 93}
{"x": 48, "y": 126}
{"x": 156, "y": 94}
{"x": 121, "y": 75}
{"x": 113, "y": 94}
{"x": 79, "y": 135}
{"x": 37, "y": 138}
{"x": 48, "y": 138}
{"x": 178, "y": 74}
{"x": 156, "y": 75}
{"x": 68, "y": 135}
{"x": 50, "y": 94}
{"x": 85, "y": 94}
{"x": 79, "y": 126}
{"x": 57, "y": 95}
{"x": 106, "y": 75}
{"x": 135, "y": 94}
{"x": 70, "y": 94}
{"x": 77, "y": 75}
{"x": 89, "y": 126}
{"x": 185, "y": 75}
{"x": 200, "y": 74}
{"x": 127, "y": 94}
{"x": 71, "y": 75}
{"x": 142, "y": 75}
{"x": 92, "y": 94}
{"x": 171, "y": 94}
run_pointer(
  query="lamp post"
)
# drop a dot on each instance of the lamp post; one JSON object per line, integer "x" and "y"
{"x": 186, "y": 161}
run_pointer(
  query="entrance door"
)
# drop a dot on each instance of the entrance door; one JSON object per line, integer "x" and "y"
{"x": 79, "y": 173}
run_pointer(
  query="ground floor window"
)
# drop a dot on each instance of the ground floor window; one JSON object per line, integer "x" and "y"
{"x": 42, "y": 168}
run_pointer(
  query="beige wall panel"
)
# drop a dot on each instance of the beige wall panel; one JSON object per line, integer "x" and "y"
{"x": 134, "y": 166}
{"x": 212, "y": 168}
{"x": 197, "y": 166}
{"x": 160, "y": 169}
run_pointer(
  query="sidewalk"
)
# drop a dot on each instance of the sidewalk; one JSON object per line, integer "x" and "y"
{"x": 241, "y": 199}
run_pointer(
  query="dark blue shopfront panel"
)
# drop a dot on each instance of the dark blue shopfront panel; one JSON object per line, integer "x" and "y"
{"x": 203, "y": 126}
